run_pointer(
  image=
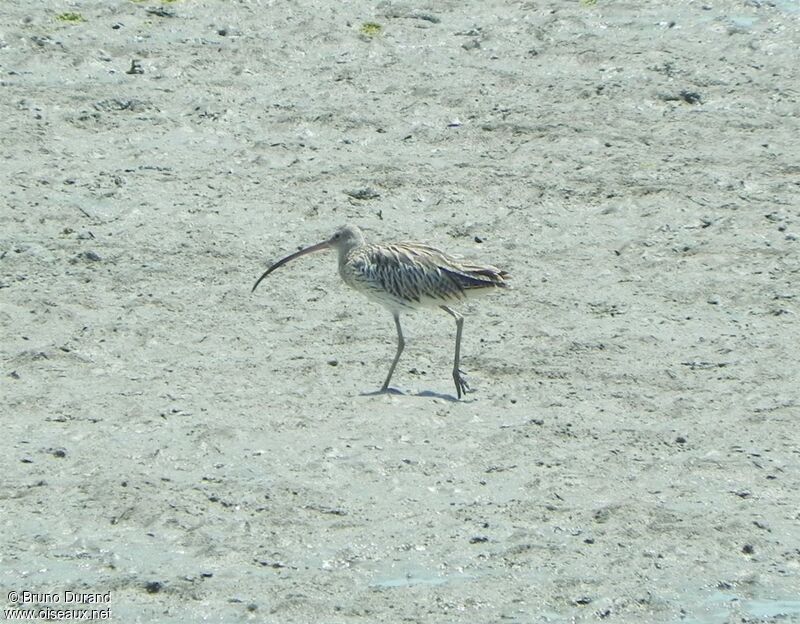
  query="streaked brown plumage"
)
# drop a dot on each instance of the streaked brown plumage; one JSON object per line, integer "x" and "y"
{"x": 404, "y": 277}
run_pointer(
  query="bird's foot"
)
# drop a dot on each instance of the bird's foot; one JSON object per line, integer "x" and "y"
{"x": 462, "y": 387}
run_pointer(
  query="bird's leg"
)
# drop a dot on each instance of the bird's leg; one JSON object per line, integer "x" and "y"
{"x": 401, "y": 343}
{"x": 458, "y": 376}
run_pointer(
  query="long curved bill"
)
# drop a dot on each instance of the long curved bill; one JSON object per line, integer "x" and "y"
{"x": 297, "y": 254}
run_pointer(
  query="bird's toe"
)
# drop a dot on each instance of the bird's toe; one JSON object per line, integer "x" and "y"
{"x": 462, "y": 387}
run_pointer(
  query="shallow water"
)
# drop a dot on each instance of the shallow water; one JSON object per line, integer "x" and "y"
{"x": 790, "y": 6}
{"x": 721, "y": 607}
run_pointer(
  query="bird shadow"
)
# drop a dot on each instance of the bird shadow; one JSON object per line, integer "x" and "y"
{"x": 379, "y": 392}
{"x": 438, "y": 395}
{"x": 424, "y": 393}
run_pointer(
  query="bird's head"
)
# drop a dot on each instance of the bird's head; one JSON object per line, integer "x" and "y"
{"x": 346, "y": 238}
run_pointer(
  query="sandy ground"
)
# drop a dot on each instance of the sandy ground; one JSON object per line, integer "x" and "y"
{"x": 630, "y": 450}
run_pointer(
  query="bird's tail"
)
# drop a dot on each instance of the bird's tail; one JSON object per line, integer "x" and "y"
{"x": 473, "y": 277}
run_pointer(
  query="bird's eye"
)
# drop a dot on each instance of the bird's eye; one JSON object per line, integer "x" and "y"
{"x": 337, "y": 236}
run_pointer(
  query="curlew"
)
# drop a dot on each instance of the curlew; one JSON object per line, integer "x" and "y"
{"x": 403, "y": 277}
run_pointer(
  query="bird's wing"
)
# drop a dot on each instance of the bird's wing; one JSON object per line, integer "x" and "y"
{"x": 406, "y": 272}
{"x": 468, "y": 276}
{"x": 411, "y": 272}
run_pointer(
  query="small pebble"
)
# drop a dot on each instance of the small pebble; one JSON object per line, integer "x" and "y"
{"x": 153, "y": 587}
{"x": 691, "y": 97}
{"x": 364, "y": 193}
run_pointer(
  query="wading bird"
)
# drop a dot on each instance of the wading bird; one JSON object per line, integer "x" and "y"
{"x": 403, "y": 277}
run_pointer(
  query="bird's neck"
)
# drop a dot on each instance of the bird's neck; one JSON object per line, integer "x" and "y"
{"x": 349, "y": 246}
{"x": 343, "y": 251}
